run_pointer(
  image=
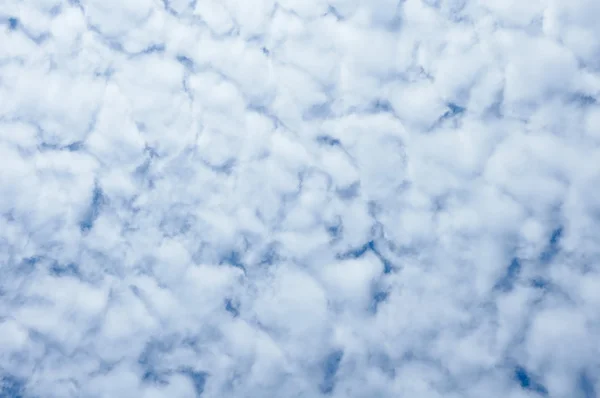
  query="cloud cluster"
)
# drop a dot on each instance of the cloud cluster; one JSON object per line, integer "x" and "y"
{"x": 299, "y": 198}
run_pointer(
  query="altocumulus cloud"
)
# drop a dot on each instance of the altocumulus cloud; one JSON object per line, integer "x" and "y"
{"x": 299, "y": 198}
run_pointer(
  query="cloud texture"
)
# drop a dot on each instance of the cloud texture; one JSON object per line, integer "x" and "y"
{"x": 300, "y": 198}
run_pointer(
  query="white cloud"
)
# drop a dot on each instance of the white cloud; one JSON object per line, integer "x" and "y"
{"x": 299, "y": 198}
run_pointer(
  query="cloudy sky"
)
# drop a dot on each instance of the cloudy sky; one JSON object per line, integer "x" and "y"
{"x": 299, "y": 198}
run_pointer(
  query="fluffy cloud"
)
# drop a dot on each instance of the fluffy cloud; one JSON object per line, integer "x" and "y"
{"x": 299, "y": 198}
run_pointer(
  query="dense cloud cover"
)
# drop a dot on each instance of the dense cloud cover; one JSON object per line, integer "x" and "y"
{"x": 300, "y": 198}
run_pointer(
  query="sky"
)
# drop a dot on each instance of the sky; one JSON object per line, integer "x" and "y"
{"x": 300, "y": 198}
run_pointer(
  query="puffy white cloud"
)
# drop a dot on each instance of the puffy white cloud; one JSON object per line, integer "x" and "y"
{"x": 299, "y": 198}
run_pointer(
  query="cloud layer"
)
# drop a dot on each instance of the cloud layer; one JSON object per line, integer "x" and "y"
{"x": 299, "y": 198}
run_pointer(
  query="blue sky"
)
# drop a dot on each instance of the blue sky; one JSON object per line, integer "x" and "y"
{"x": 299, "y": 198}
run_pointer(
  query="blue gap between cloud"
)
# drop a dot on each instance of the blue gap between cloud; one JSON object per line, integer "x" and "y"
{"x": 331, "y": 365}
{"x": 94, "y": 211}
{"x": 553, "y": 246}
{"x": 525, "y": 380}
